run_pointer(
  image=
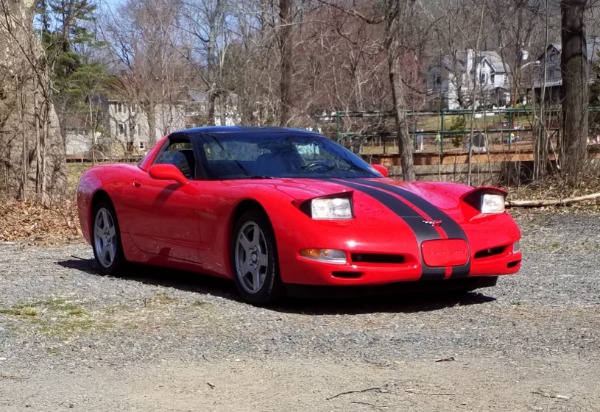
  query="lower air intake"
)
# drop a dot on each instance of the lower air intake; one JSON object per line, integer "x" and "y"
{"x": 489, "y": 252}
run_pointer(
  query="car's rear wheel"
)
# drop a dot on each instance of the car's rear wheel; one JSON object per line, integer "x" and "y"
{"x": 106, "y": 239}
{"x": 254, "y": 259}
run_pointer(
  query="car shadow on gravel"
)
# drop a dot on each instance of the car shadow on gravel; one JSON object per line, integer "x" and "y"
{"x": 392, "y": 303}
{"x": 324, "y": 301}
{"x": 152, "y": 275}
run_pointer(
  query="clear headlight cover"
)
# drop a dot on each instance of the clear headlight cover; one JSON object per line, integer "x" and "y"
{"x": 331, "y": 208}
{"x": 492, "y": 203}
{"x": 516, "y": 247}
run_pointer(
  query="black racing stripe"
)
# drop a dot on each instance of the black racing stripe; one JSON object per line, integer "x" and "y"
{"x": 410, "y": 217}
{"x": 449, "y": 225}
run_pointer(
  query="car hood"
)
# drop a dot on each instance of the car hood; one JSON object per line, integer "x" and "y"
{"x": 441, "y": 194}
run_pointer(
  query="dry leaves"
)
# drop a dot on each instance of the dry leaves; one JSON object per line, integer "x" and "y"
{"x": 34, "y": 224}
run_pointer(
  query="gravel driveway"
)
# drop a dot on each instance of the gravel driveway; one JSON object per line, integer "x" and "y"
{"x": 155, "y": 340}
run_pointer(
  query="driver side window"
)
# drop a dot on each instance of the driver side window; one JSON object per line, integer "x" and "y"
{"x": 181, "y": 155}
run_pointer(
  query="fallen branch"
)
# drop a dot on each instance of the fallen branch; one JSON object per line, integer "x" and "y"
{"x": 13, "y": 377}
{"x": 554, "y": 202}
{"x": 551, "y": 395}
{"x": 380, "y": 389}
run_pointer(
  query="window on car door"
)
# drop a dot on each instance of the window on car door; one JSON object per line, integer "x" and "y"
{"x": 181, "y": 155}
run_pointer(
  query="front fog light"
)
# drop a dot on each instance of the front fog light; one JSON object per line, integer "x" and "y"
{"x": 492, "y": 203}
{"x": 325, "y": 255}
{"x": 331, "y": 208}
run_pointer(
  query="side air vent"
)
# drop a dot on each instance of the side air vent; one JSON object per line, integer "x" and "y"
{"x": 377, "y": 258}
{"x": 489, "y": 252}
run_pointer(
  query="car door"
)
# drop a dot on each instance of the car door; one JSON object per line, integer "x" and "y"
{"x": 162, "y": 217}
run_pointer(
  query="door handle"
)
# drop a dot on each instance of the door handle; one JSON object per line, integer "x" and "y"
{"x": 136, "y": 184}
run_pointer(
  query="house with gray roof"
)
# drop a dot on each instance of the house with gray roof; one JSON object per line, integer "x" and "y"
{"x": 468, "y": 77}
{"x": 550, "y": 60}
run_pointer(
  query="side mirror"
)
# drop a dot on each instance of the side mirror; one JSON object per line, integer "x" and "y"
{"x": 167, "y": 172}
{"x": 381, "y": 169}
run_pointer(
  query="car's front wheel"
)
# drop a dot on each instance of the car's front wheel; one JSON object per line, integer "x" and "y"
{"x": 254, "y": 259}
{"x": 106, "y": 239}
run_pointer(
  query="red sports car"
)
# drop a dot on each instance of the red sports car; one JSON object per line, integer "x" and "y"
{"x": 274, "y": 207}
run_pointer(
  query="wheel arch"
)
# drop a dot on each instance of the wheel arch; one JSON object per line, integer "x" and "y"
{"x": 98, "y": 196}
{"x": 240, "y": 209}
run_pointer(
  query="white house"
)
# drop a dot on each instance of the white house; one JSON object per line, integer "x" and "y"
{"x": 128, "y": 123}
{"x": 123, "y": 130}
{"x": 457, "y": 78}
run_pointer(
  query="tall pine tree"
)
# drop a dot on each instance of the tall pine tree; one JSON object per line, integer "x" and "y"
{"x": 66, "y": 36}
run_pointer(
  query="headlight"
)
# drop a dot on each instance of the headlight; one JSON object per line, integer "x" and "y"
{"x": 331, "y": 208}
{"x": 492, "y": 203}
{"x": 516, "y": 247}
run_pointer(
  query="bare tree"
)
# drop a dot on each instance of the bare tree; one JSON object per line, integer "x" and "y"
{"x": 401, "y": 39}
{"x": 340, "y": 62}
{"x": 205, "y": 22}
{"x": 31, "y": 149}
{"x": 145, "y": 47}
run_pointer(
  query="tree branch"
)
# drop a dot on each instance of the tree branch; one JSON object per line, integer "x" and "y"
{"x": 552, "y": 202}
{"x": 354, "y": 13}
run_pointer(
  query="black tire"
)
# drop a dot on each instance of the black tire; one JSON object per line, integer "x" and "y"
{"x": 254, "y": 259}
{"x": 106, "y": 238}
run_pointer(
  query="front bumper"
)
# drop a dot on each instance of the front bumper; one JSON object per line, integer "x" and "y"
{"x": 375, "y": 271}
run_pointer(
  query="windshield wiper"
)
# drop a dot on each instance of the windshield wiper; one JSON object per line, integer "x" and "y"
{"x": 254, "y": 177}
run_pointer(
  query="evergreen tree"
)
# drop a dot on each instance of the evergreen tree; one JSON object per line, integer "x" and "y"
{"x": 64, "y": 27}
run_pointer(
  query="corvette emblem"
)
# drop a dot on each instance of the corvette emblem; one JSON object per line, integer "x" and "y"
{"x": 433, "y": 223}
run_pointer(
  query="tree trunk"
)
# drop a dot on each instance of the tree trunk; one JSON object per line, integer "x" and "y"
{"x": 399, "y": 108}
{"x": 574, "y": 69}
{"x": 212, "y": 103}
{"x": 150, "y": 109}
{"x": 285, "y": 41}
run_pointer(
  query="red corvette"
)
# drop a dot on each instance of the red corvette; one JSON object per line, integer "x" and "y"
{"x": 274, "y": 207}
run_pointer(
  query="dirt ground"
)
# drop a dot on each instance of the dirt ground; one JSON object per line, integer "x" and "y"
{"x": 477, "y": 384}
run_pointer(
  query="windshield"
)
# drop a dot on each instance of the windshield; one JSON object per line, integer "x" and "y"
{"x": 279, "y": 155}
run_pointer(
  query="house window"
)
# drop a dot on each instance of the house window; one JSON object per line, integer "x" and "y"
{"x": 482, "y": 77}
{"x": 493, "y": 78}
{"x": 142, "y": 145}
{"x": 121, "y": 128}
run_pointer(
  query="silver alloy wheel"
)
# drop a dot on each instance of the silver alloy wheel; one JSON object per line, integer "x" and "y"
{"x": 105, "y": 240}
{"x": 251, "y": 257}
